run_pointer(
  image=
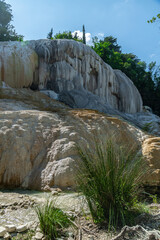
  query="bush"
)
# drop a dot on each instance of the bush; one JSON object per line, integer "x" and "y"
{"x": 52, "y": 220}
{"x": 110, "y": 179}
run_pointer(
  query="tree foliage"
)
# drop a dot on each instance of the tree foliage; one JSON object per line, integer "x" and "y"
{"x": 84, "y": 35}
{"x": 147, "y": 81}
{"x": 50, "y": 34}
{"x": 7, "y": 31}
{"x": 64, "y": 35}
{"x": 154, "y": 19}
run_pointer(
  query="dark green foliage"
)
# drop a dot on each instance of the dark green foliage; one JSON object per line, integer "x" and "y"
{"x": 67, "y": 35}
{"x": 50, "y": 34}
{"x": 110, "y": 178}
{"x": 52, "y": 220}
{"x": 147, "y": 82}
{"x": 84, "y": 35}
{"x": 7, "y": 31}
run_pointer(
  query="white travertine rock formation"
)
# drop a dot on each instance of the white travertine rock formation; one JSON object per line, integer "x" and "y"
{"x": 18, "y": 64}
{"x": 66, "y": 65}
{"x": 38, "y": 138}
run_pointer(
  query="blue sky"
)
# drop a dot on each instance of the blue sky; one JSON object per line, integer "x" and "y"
{"x": 124, "y": 19}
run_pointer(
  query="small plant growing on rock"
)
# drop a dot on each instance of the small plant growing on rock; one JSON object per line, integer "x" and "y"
{"x": 52, "y": 220}
{"x": 110, "y": 178}
{"x": 147, "y": 127}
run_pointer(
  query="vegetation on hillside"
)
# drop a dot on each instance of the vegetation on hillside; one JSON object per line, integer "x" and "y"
{"x": 146, "y": 78}
{"x": 7, "y": 31}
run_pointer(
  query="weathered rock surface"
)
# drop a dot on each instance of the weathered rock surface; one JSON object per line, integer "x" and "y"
{"x": 67, "y": 65}
{"x": 87, "y": 100}
{"x": 137, "y": 233}
{"x": 151, "y": 151}
{"x": 40, "y": 138}
{"x": 18, "y": 64}
{"x": 2, "y": 231}
{"x": 74, "y": 205}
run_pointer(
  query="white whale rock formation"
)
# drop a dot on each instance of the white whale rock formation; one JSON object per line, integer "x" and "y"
{"x": 66, "y": 65}
{"x": 18, "y": 64}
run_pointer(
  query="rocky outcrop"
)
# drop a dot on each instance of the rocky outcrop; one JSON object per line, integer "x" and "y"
{"x": 151, "y": 151}
{"x": 67, "y": 65}
{"x": 137, "y": 233}
{"x": 18, "y": 64}
{"x": 39, "y": 135}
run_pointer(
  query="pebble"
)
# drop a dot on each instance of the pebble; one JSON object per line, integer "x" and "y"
{"x": 21, "y": 228}
{"x": 13, "y": 208}
{"x": 38, "y": 236}
{"x": 70, "y": 235}
{"x": 54, "y": 193}
{"x": 2, "y": 231}
{"x": 2, "y": 212}
{"x": 10, "y": 228}
{"x": 25, "y": 206}
{"x": 7, "y": 236}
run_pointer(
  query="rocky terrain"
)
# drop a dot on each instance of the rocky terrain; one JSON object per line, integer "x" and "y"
{"x": 53, "y": 96}
{"x": 18, "y": 217}
{"x": 43, "y": 143}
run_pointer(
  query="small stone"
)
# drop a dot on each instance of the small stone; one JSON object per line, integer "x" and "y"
{"x": 2, "y": 231}
{"x": 13, "y": 208}
{"x": 70, "y": 235}
{"x": 38, "y": 236}
{"x": 21, "y": 196}
{"x": 47, "y": 189}
{"x": 90, "y": 237}
{"x": 25, "y": 206}
{"x": 21, "y": 228}
{"x": 38, "y": 229}
{"x": 10, "y": 228}
{"x": 54, "y": 193}
{"x": 2, "y": 212}
{"x": 56, "y": 189}
{"x": 7, "y": 236}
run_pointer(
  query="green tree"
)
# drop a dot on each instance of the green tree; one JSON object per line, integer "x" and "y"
{"x": 67, "y": 35}
{"x": 50, "y": 34}
{"x": 7, "y": 31}
{"x": 84, "y": 35}
{"x": 64, "y": 35}
{"x": 147, "y": 82}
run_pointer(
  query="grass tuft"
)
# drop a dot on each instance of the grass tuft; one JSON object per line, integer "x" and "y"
{"x": 52, "y": 220}
{"x": 110, "y": 178}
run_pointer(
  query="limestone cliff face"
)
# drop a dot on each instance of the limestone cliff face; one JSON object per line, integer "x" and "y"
{"x": 67, "y": 65}
{"x": 18, "y": 64}
{"x": 38, "y": 138}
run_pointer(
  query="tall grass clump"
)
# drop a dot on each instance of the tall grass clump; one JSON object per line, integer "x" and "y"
{"x": 110, "y": 178}
{"x": 52, "y": 220}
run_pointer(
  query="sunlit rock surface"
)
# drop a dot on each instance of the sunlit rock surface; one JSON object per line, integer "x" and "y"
{"x": 18, "y": 64}
{"x": 66, "y": 65}
{"x": 38, "y": 138}
{"x": 38, "y": 135}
